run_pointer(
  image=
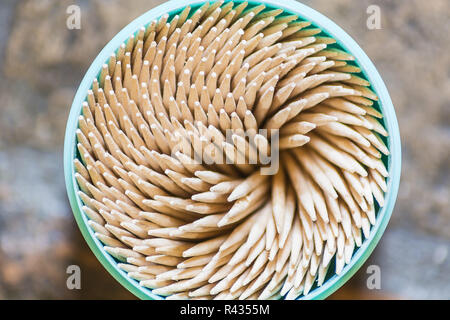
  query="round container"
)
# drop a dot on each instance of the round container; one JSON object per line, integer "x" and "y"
{"x": 344, "y": 42}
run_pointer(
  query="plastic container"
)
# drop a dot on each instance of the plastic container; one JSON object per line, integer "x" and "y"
{"x": 344, "y": 42}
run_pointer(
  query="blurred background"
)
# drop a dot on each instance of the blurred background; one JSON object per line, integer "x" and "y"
{"x": 42, "y": 63}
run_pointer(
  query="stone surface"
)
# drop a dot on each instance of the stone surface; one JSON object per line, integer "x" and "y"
{"x": 42, "y": 63}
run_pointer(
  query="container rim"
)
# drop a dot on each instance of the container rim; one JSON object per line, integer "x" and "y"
{"x": 304, "y": 12}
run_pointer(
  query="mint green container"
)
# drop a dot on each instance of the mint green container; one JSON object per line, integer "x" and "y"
{"x": 344, "y": 42}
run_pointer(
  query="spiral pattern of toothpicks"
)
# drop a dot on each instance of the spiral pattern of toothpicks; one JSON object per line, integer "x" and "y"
{"x": 205, "y": 82}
